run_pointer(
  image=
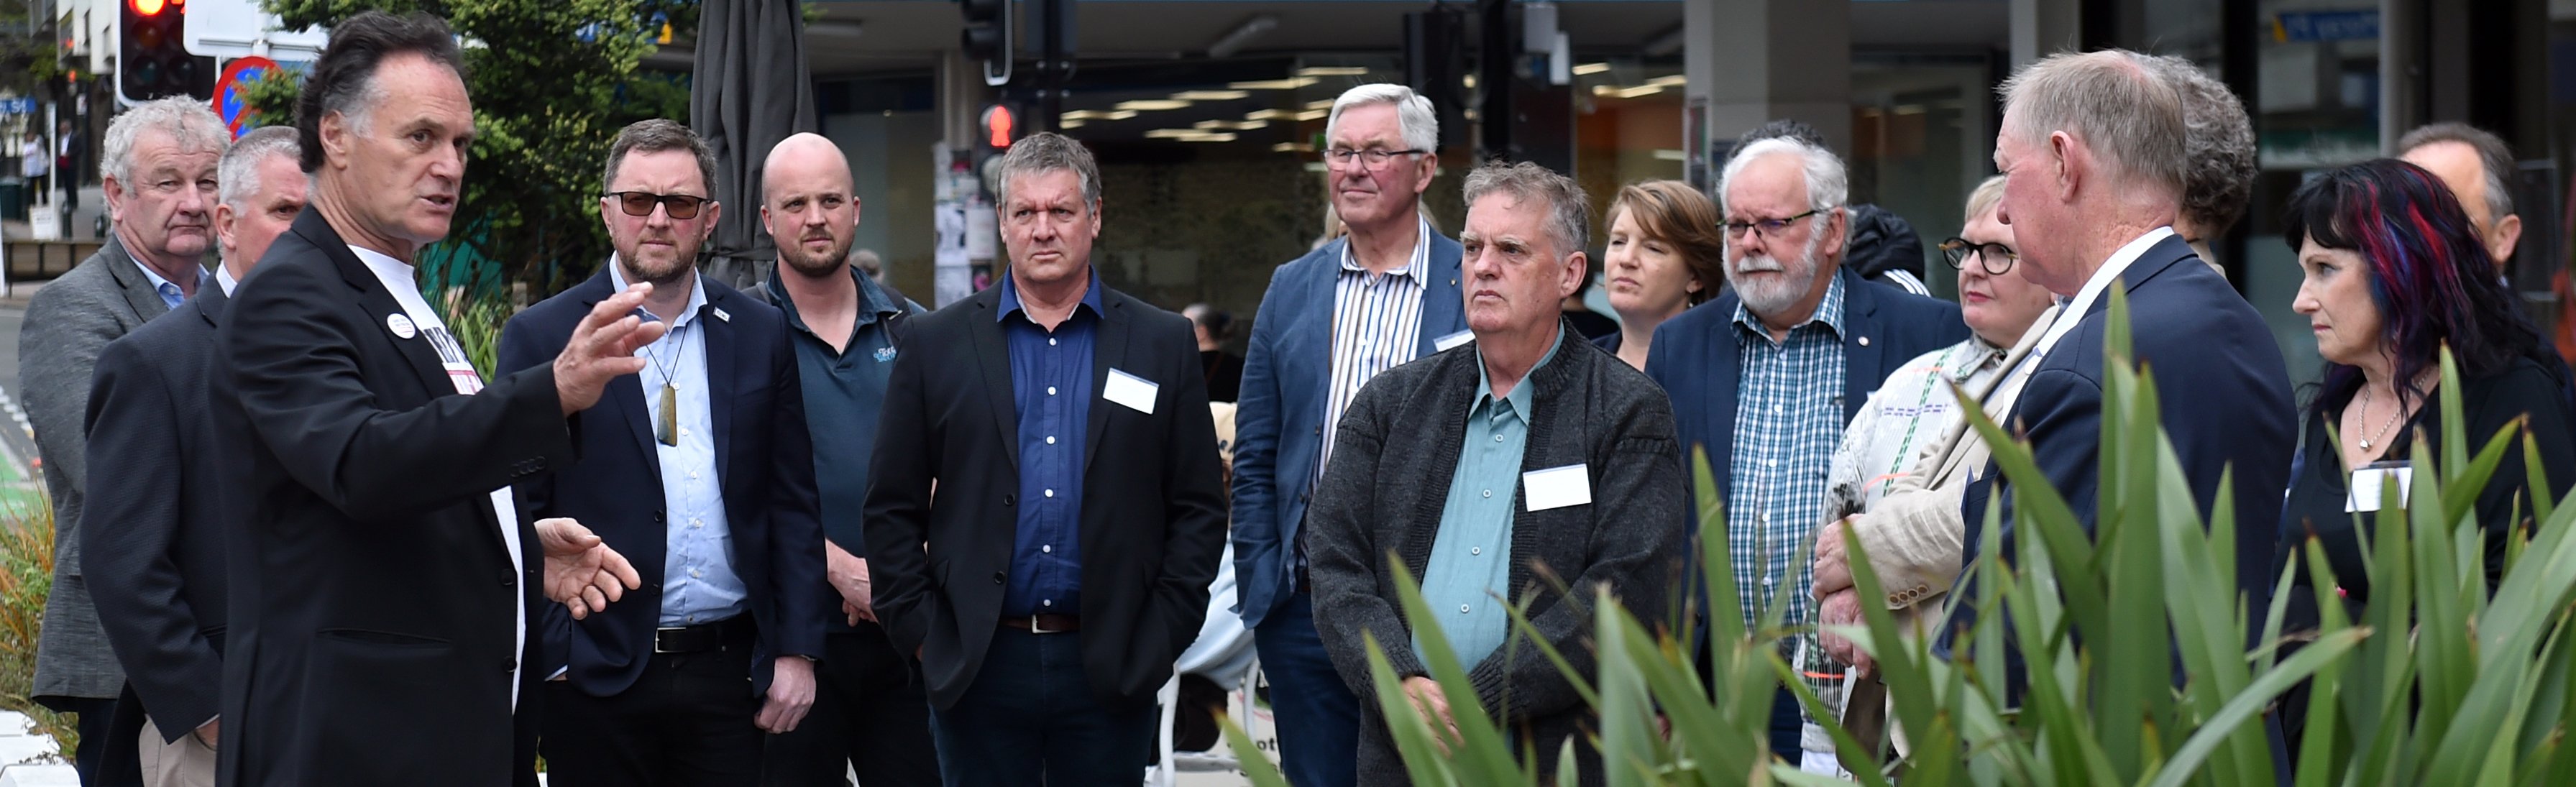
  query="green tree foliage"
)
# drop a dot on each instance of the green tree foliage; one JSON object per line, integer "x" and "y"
{"x": 552, "y": 81}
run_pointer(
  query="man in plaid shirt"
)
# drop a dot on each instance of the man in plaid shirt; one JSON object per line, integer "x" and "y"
{"x": 1765, "y": 377}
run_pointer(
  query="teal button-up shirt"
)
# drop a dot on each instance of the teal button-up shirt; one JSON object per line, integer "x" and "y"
{"x": 1471, "y": 558}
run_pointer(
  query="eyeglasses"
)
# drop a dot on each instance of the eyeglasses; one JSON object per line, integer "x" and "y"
{"x": 1997, "y": 259}
{"x": 640, "y": 204}
{"x": 1767, "y": 227}
{"x": 1376, "y": 159}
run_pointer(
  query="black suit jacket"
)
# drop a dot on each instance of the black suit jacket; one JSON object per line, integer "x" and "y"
{"x": 156, "y": 566}
{"x": 764, "y": 460}
{"x": 1153, "y": 511}
{"x": 2225, "y": 394}
{"x": 373, "y": 603}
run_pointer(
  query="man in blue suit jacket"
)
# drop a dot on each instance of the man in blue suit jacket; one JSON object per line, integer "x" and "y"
{"x": 701, "y": 471}
{"x": 1331, "y": 320}
{"x": 2092, "y": 196}
{"x": 1766, "y": 376}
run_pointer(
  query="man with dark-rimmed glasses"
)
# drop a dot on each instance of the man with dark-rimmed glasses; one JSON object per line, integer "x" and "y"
{"x": 1331, "y": 320}
{"x": 700, "y": 468}
{"x": 1766, "y": 376}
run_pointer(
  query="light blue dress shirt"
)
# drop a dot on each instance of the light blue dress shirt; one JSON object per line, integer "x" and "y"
{"x": 170, "y": 294}
{"x": 1467, "y": 579}
{"x": 698, "y": 581}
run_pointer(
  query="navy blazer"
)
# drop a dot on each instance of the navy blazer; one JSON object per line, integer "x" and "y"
{"x": 1279, "y": 421}
{"x": 2228, "y": 406}
{"x": 1696, "y": 358}
{"x": 764, "y": 456}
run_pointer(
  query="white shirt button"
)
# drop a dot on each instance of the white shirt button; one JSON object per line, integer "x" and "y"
{"x": 1046, "y": 547}
{"x": 1050, "y": 390}
{"x": 693, "y": 475}
{"x": 1050, "y": 341}
{"x": 1462, "y": 609}
{"x": 1475, "y": 550}
{"x": 1047, "y": 603}
{"x": 693, "y": 572}
{"x": 1489, "y": 493}
{"x": 1050, "y": 493}
{"x": 1765, "y": 463}
{"x": 684, "y": 431}
{"x": 1776, "y": 409}
{"x": 1050, "y": 439}
{"x": 1498, "y": 438}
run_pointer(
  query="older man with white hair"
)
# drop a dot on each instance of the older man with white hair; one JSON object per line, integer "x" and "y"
{"x": 1331, "y": 321}
{"x": 156, "y": 566}
{"x": 2092, "y": 151}
{"x": 160, "y": 176}
{"x": 1495, "y": 470}
{"x": 1766, "y": 376}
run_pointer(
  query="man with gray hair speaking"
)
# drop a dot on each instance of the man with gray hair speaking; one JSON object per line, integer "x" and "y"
{"x": 2091, "y": 148}
{"x": 1488, "y": 469}
{"x": 156, "y": 568}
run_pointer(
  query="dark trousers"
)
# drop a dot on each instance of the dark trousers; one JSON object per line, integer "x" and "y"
{"x": 870, "y": 715}
{"x": 1031, "y": 719}
{"x": 1315, "y": 713}
{"x": 686, "y": 721}
{"x": 97, "y": 757}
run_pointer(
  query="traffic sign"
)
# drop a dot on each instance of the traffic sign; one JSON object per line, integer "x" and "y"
{"x": 237, "y": 28}
{"x": 17, "y": 106}
{"x": 230, "y": 103}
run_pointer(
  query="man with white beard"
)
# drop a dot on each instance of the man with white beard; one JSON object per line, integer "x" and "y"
{"x": 1765, "y": 376}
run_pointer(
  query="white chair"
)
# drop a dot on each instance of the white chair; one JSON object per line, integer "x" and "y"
{"x": 1170, "y": 764}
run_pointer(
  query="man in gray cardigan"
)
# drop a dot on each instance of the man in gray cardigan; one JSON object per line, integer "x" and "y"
{"x": 1523, "y": 455}
{"x": 160, "y": 175}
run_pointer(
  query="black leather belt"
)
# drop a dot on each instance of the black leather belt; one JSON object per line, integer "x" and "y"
{"x": 1044, "y": 623}
{"x": 735, "y": 630}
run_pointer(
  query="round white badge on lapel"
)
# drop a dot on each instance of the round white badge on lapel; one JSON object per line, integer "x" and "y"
{"x": 401, "y": 326}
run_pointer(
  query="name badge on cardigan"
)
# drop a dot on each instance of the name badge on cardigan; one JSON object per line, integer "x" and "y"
{"x": 1135, "y": 392}
{"x": 1443, "y": 343}
{"x": 2372, "y": 480}
{"x": 1557, "y": 487}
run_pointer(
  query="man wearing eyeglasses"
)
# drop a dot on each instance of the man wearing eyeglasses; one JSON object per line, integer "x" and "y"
{"x": 1330, "y": 321}
{"x": 1766, "y": 376}
{"x": 701, "y": 471}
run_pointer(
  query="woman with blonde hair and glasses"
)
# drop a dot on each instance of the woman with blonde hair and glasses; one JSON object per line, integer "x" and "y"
{"x": 1664, "y": 256}
{"x": 1896, "y": 478}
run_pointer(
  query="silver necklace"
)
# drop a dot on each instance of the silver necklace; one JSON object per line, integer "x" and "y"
{"x": 2383, "y": 428}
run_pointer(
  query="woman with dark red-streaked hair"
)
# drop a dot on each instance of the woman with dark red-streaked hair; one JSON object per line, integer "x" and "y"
{"x": 2393, "y": 271}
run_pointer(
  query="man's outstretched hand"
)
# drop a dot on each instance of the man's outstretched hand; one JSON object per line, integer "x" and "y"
{"x": 581, "y": 571}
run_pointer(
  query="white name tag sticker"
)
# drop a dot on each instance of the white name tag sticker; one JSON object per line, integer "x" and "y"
{"x": 1135, "y": 392}
{"x": 1556, "y": 487}
{"x": 1443, "y": 344}
{"x": 2372, "y": 481}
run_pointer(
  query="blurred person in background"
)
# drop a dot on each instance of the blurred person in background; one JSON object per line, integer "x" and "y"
{"x": 1665, "y": 254}
{"x": 1224, "y": 369}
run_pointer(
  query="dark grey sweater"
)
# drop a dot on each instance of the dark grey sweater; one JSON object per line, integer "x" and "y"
{"x": 1383, "y": 491}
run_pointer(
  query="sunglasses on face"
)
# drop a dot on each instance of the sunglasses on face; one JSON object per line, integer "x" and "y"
{"x": 640, "y": 203}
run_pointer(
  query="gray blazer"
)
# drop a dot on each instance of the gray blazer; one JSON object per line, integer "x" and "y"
{"x": 68, "y": 323}
{"x": 1384, "y": 491}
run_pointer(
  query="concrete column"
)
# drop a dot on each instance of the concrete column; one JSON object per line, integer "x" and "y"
{"x": 2045, "y": 27}
{"x": 1751, "y": 61}
{"x": 962, "y": 96}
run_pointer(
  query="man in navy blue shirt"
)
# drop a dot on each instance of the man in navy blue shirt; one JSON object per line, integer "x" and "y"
{"x": 1079, "y": 517}
{"x": 870, "y": 713}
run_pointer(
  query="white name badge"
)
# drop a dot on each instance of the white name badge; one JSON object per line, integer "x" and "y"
{"x": 2372, "y": 481}
{"x": 1135, "y": 392}
{"x": 1557, "y": 487}
{"x": 1443, "y": 344}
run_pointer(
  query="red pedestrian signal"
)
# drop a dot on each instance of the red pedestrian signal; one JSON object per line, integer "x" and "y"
{"x": 997, "y": 126}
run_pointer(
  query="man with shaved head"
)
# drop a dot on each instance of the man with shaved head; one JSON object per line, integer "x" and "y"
{"x": 870, "y": 712}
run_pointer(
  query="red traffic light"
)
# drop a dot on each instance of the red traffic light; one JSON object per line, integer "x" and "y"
{"x": 149, "y": 7}
{"x": 997, "y": 126}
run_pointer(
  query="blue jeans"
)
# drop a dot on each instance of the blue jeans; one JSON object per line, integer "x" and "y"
{"x": 1317, "y": 717}
{"x": 1031, "y": 719}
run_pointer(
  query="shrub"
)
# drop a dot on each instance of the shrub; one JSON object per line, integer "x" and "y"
{"x": 2441, "y": 683}
{"x": 26, "y": 576}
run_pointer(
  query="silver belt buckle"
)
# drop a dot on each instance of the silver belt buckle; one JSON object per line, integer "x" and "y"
{"x": 657, "y": 639}
{"x": 1037, "y": 628}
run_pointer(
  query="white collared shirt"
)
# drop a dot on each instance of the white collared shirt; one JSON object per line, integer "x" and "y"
{"x": 399, "y": 280}
{"x": 2072, "y": 314}
{"x": 224, "y": 279}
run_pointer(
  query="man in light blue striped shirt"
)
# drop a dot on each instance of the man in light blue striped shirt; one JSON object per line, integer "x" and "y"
{"x": 1330, "y": 321}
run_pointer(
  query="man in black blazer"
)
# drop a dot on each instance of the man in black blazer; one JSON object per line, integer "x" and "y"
{"x": 700, "y": 470}
{"x": 2092, "y": 196}
{"x": 157, "y": 570}
{"x": 381, "y": 571}
{"x": 1065, "y": 561}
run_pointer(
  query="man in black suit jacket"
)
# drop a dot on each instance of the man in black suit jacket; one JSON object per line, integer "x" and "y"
{"x": 157, "y": 574}
{"x": 381, "y": 572}
{"x": 1065, "y": 562}
{"x": 699, "y": 469}
{"x": 2092, "y": 193}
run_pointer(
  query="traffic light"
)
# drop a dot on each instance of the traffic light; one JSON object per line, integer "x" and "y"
{"x": 152, "y": 58}
{"x": 987, "y": 37}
